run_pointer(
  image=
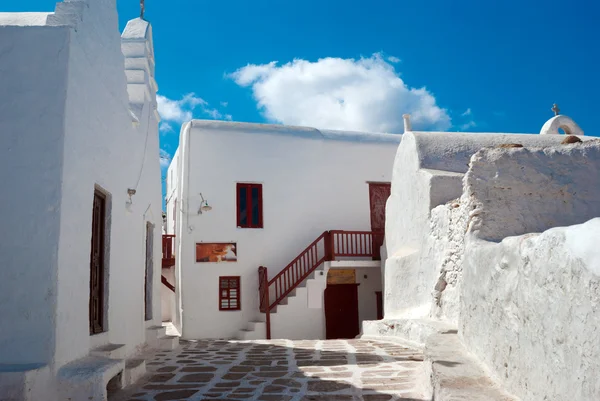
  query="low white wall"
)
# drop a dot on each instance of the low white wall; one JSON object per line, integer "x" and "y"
{"x": 530, "y": 310}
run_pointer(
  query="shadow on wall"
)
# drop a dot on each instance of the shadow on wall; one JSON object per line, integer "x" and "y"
{"x": 311, "y": 370}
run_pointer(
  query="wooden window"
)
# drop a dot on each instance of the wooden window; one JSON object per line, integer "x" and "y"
{"x": 96, "y": 313}
{"x": 249, "y": 206}
{"x": 229, "y": 293}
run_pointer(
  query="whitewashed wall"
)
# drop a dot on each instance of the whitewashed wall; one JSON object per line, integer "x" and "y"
{"x": 422, "y": 231}
{"x": 31, "y": 168}
{"x": 71, "y": 82}
{"x": 312, "y": 181}
{"x": 529, "y": 304}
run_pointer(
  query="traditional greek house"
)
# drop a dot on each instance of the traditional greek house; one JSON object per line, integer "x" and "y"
{"x": 276, "y": 230}
{"x": 81, "y": 202}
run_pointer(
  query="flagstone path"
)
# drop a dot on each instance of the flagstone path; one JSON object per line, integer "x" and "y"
{"x": 282, "y": 370}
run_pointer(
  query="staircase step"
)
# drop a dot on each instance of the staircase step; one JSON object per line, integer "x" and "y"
{"x": 111, "y": 351}
{"x": 135, "y": 369}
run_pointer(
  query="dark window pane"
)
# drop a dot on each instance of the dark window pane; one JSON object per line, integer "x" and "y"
{"x": 243, "y": 206}
{"x": 255, "y": 207}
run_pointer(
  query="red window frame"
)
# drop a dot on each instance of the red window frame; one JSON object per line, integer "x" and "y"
{"x": 249, "y": 217}
{"x": 225, "y": 293}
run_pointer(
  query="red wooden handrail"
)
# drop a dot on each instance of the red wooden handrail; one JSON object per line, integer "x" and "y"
{"x": 326, "y": 247}
{"x": 164, "y": 280}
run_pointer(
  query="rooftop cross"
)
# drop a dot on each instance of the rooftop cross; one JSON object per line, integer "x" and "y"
{"x": 555, "y": 109}
{"x": 142, "y": 9}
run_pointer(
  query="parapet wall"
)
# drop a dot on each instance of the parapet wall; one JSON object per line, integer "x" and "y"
{"x": 529, "y": 304}
{"x": 520, "y": 190}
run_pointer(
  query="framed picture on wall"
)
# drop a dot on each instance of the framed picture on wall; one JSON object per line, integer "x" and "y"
{"x": 216, "y": 252}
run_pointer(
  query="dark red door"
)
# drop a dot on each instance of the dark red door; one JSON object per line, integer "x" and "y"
{"x": 378, "y": 195}
{"x": 97, "y": 265}
{"x": 379, "y": 300}
{"x": 341, "y": 311}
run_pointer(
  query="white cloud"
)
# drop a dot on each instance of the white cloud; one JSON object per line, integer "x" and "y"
{"x": 467, "y": 112}
{"x": 182, "y": 110}
{"x": 347, "y": 94}
{"x": 165, "y": 158}
{"x": 224, "y": 104}
{"x": 393, "y": 59}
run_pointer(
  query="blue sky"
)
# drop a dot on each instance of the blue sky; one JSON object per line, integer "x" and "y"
{"x": 455, "y": 65}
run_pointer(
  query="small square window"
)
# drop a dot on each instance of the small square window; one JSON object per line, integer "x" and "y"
{"x": 229, "y": 293}
{"x": 249, "y": 205}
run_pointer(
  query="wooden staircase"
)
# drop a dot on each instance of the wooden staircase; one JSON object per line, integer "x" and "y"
{"x": 329, "y": 246}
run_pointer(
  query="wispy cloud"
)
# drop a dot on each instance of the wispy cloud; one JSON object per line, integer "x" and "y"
{"x": 224, "y": 104}
{"x": 348, "y": 94}
{"x": 467, "y": 112}
{"x": 165, "y": 127}
{"x": 182, "y": 110}
{"x": 165, "y": 158}
{"x": 393, "y": 59}
{"x": 468, "y": 125}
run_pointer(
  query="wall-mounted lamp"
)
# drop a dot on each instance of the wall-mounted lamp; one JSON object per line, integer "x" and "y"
{"x": 204, "y": 206}
{"x": 130, "y": 193}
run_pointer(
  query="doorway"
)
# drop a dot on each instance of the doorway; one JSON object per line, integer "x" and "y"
{"x": 379, "y": 192}
{"x": 149, "y": 271}
{"x": 341, "y": 311}
{"x": 96, "y": 312}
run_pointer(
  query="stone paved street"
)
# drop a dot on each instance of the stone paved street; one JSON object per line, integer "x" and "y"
{"x": 283, "y": 370}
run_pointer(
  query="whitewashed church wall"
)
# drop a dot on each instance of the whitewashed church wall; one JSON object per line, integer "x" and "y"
{"x": 31, "y": 168}
{"x": 529, "y": 304}
{"x": 310, "y": 185}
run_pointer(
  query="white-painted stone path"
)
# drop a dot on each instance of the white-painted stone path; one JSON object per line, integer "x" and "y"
{"x": 283, "y": 370}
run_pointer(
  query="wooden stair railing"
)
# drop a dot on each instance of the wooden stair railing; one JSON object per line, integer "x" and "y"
{"x": 325, "y": 248}
{"x": 164, "y": 280}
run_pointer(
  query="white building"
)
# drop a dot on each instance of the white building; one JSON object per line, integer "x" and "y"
{"x": 494, "y": 236}
{"x": 79, "y": 162}
{"x": 273, "y": 190}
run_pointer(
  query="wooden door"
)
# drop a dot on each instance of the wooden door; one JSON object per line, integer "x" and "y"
{"x": 379, "y": 300}
{"x": 378, "y": 195}
{"x": 97, "y": 265}
{"x": 149, "y": 271}
{"x": 341, "y": 311}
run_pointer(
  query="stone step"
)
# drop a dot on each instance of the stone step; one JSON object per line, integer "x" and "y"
{"x": 112, "y": 351}
{"x": 135, "y": 369}
{"x": 88, "y": 378}
{"x": 153, "y": 333}
{"x": 168, "y": 343}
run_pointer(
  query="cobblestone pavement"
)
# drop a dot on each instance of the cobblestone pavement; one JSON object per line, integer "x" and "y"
{"x": 282, "y": 370}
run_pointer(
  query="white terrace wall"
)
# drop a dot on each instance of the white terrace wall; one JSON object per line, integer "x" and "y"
{"x": 312, "y": 180}
{"x": 423, "y": 234}
{"x": 530, "y": 303}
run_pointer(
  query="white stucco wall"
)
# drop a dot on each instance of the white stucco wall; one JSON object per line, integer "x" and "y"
{"x": 114, "y": 155}
{"x": 312, "y": 182}
{"x": 421, "y": 244}
{"x": 31, "y": 169}
{"x": 70, "y": 80}
{"x": 529, "y": 304}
